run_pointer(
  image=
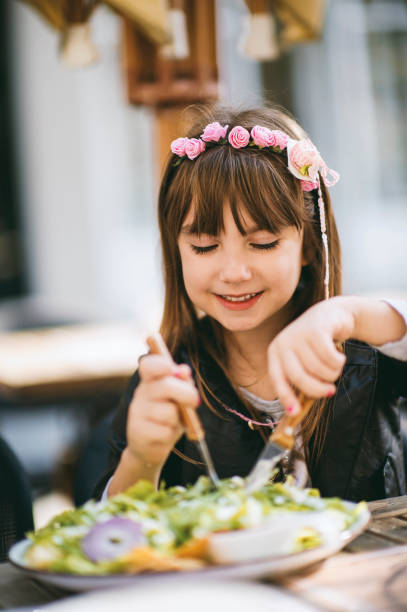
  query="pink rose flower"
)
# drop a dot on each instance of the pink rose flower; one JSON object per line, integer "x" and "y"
{"x": 214, "y": 131}
{"x": 309, "y": 185}
{"x": 239, "y": 137}
{"x": 178, "y": 146}
{"x": 262, "y": 136}
{"x": 280, "y": 138}
{"x": 304, "y": 160}
{"x": 194, "y": 147}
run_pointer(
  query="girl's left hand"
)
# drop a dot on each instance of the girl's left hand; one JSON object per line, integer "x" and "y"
{"x": 304, "y": 357}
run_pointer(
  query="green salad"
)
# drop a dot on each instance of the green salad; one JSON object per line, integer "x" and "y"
{"x": 144, "y": 529}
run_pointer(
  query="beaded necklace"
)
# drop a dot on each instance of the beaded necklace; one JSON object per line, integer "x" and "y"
{"x": 250, "y": 422}
{"x": 284, "y": 461}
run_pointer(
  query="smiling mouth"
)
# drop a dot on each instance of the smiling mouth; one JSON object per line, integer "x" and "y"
{"x": 239, "y": 298}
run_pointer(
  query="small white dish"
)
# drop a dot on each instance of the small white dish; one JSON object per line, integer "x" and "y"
{"x": 276, "y": 536}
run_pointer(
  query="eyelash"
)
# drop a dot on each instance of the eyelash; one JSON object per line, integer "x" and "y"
{"x": 266, "y": 247}
{"x": 201, "y": 250}
{"x": 261, "y": 247}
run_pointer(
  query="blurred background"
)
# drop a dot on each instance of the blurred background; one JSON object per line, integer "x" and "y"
{"x": 91, "y": 94}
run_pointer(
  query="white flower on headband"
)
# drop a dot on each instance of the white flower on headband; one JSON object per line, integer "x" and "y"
{"x": 305, "y": 162}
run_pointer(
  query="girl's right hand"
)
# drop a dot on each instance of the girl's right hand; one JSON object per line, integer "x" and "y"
{"x": 154, "y": 422}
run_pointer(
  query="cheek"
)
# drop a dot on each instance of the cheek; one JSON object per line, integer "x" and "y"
{"x": 287, "y": 270}
{"x": 191, "y": 272}
{"x": 188, "y": 277}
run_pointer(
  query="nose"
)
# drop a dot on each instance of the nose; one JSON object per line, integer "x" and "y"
{"x": 234, "y": 271}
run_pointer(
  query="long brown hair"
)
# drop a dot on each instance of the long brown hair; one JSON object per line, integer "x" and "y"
{"x": 259, "y": 181}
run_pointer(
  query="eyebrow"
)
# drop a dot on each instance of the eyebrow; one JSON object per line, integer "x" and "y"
{"x": 189, "y": 231}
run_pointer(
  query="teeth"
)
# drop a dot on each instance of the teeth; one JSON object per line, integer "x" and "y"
{"x": 242, "y": 298}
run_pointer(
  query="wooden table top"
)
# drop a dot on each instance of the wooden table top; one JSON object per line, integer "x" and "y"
{"x": 370, "y": 575}
{"x": 66, "y": 361}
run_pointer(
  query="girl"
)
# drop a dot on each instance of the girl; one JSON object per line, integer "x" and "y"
{"x": 253, "y": 311}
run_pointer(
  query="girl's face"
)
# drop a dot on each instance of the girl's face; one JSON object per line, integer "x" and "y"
{"x": 245, "y": 282}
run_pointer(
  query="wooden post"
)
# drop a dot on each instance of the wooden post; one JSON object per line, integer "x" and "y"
{"x": 156, "y": 80}
{"x": 168, "y": 126}
{"x": 169, "y": 84}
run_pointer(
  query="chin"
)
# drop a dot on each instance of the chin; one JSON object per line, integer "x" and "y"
{"x": 239, "y": 325}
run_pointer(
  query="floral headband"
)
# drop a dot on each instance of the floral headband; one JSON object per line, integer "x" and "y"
{"x": 304, "y": 161}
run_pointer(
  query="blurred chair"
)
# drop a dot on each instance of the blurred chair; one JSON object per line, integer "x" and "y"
{"x": 16, "y": 516}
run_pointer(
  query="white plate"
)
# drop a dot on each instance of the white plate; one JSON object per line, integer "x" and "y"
{"x": 268, "y": 566}
{"x": 184, "y": 595}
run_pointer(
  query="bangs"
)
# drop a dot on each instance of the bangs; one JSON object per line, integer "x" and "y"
{"x": 256, "y": 184}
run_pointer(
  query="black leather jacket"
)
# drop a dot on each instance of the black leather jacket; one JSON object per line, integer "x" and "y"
{"x": 362, "y": 456}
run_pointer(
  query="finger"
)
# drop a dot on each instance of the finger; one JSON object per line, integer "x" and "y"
{"x": 153, "y": 367}
{"x": 158, "y": 434}
{"x": 284, "y": 390}
{"x": 301, "y": 380}
{"x": 327, "y": 351}
{"x": 183, "y": 371}
{"x": 316, "y": 367}
{"x": 165, "y": 413}
{"x": 175, "y": 390}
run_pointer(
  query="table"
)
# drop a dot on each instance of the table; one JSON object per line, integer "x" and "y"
{"x": 370, "y": 575}
{"x": 50, "y": 364}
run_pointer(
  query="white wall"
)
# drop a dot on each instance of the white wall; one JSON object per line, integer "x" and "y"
{"x": 336, "y": 101}
{"x": 240, "y": 76}
{"x": 85, "y": 163}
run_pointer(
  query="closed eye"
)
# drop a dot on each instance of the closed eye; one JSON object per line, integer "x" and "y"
{"x": 203, "y": 249}
{"x": 265, "y": 247}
